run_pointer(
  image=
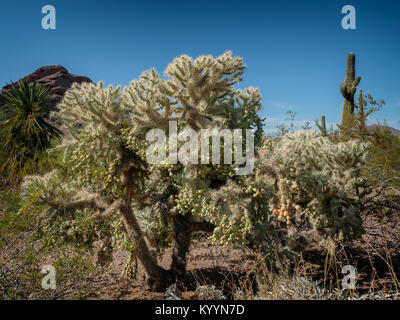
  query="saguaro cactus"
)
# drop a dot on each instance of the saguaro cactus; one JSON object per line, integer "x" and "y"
{"x": 323, "y": 126}
{"x": 361, "y": 103}
{"x": 348, "y": 89}
{"x": 362, "y": 115}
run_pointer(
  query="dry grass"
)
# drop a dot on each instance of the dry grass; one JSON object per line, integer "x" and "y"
{"x": 301, "y": 279}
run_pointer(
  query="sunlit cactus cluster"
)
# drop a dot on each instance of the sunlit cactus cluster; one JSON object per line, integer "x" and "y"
{"x": 303, "y": 177}
{"x": 317, "y": 180}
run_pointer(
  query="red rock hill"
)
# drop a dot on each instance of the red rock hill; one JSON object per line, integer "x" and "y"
{"x": 56, "y": 77}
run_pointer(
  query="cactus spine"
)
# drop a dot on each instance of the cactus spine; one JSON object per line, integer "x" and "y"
{"x": 348, "y": 89}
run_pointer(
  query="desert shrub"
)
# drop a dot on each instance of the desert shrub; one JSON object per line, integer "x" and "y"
{"x": 382, "y": 169}
{"x": 303, "y": 288}
{"x": 105, "y": 156}
{"x": 209, "y": 292}
{"x": 3, "y": 155}
{"x": 301, "y": 180}
{"x": 382, "y": 164}
{"x": 21, "y": 274}
{"x": 355, "y": 126}
{"x": 315, "y": 180}
{"x": 25, "y": 250}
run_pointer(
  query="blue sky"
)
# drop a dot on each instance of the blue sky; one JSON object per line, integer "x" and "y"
{"x": 295, "y": 51}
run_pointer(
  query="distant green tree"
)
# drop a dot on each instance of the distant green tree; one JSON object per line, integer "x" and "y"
{"x": 356, "y": 125}
{"x": 24, "y": 132}
{"x": 3, "y": 156}
{"x": 383, "y": 168}
{"x": 284, "y": 128}
{"x": 306, "y": 126}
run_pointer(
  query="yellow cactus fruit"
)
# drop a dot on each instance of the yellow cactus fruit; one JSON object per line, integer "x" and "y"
{"x": 286, "y": 213}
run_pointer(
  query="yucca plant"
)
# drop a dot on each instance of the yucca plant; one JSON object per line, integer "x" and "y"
{"x": 24, "y": 132}
{"x": 2, "y": 154}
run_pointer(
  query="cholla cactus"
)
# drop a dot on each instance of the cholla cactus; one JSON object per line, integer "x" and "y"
{"x": 200, "y": 93}
{"x": 304, "y": 177}
{"x": 90, "y": 105}
{"x": 106, "y": 170}
{"x": 48, "y": 187}
{"x": 315, "y": 180}
{"x": 105, "y": 152}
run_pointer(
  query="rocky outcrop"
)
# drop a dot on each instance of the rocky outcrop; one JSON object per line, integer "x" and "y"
{"x": 57, "y": 78}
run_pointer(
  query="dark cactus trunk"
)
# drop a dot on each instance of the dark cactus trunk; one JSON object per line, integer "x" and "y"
{"x": 158, "y": 278}
{"x": 183, "y": 229}
{"x": 133, "y": 173}
{"x": 184, "y": 226}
